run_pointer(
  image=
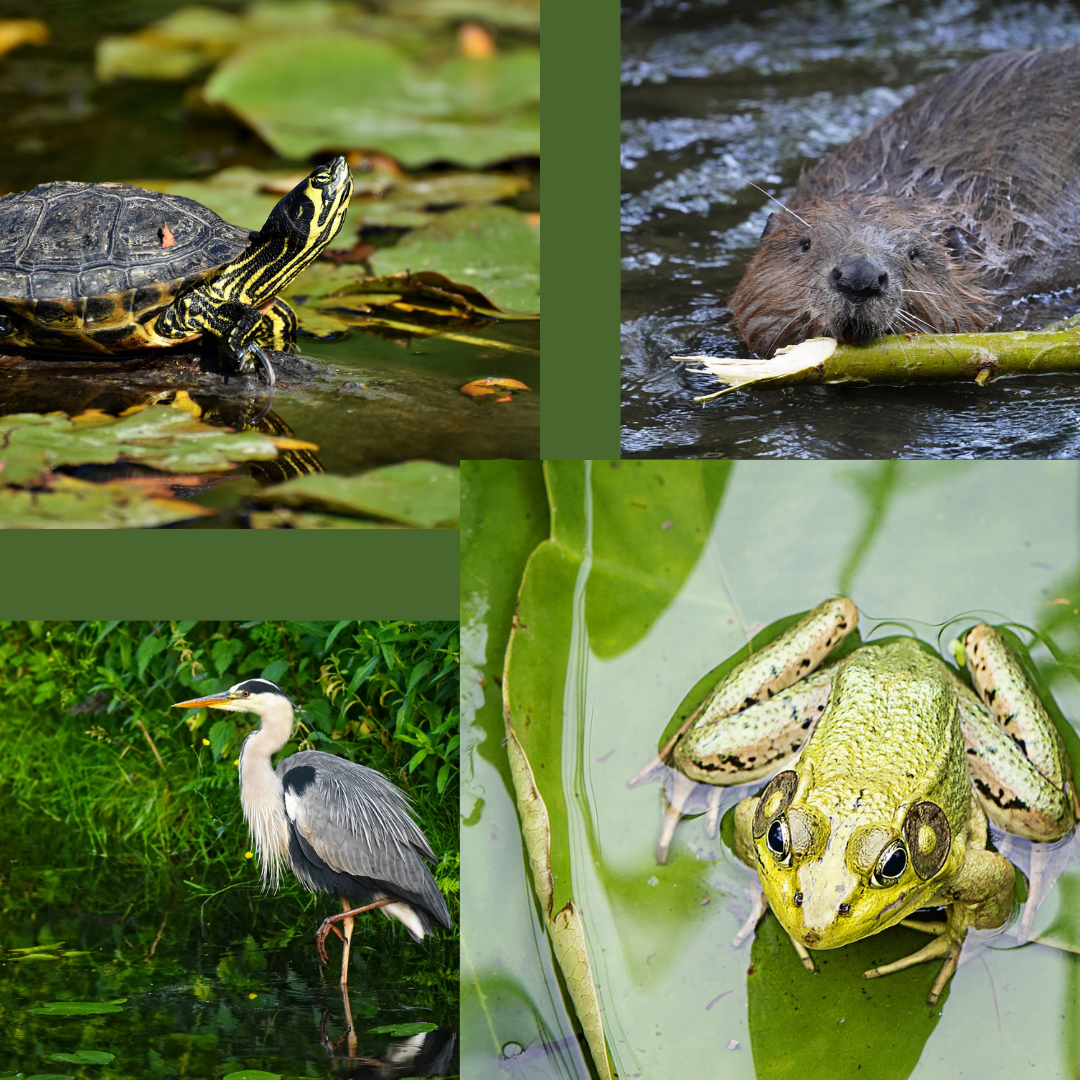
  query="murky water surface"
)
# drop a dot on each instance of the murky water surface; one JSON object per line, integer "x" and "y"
{"x": 209, "y": 981}
{"x": 721, "y": 96}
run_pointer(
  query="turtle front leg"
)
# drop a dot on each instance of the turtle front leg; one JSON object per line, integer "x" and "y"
{"x": 241, "y": 329}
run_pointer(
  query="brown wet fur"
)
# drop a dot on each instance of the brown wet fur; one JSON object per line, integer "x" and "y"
{"x": 963, "y": 199}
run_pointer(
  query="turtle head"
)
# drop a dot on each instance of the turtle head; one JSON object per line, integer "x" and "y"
{"x": 310, "y": 216}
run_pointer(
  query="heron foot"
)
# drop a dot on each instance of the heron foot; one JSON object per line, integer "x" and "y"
{"x": 328, "y": 925}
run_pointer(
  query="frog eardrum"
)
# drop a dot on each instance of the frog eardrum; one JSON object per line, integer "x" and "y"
{"x": 890, "y": 766}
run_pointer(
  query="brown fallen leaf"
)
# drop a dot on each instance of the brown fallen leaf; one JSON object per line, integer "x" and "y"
{"x": 357, "y": 253}
{"x": 475, "y": 42}
{"x": 16, "y": 32}
{"x": 483, "y": 387}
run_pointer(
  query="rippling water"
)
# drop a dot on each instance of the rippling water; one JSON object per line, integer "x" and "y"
{"x": 721, "y": 96}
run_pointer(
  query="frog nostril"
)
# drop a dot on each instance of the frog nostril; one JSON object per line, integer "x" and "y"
{"x": 845, "y": 909}
{"x": 798, "y": 899}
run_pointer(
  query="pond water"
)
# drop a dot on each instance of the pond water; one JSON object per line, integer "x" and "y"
{"x": 618, "y": 635}
{"x": 378, "y": 398}
{"x": 721, "y": 96}
{"x": 209, "y": 980}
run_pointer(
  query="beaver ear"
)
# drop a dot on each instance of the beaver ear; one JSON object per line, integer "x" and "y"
{"x": 772, "y": 223}
{"x": 954, "y": 241}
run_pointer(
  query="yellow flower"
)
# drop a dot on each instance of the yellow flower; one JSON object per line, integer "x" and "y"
{"x": 251, "y": 997}
{"x": 206, "y": 742}
{"x": 247, "y": 854}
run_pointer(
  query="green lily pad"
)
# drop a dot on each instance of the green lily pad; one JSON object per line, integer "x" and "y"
{"x": 402, "y": 1030}
{"x": 161, "y": 437}
{"x": 138, "y": 57}
{"x": 520, "y": 14}
{"x": 878, "y": 1035}
{"x": 283, "y": 518}
{"x": 491, "y": 248}
{"x": 77, "y": 504}
{"x": 252, "y": 1074}
{"x": 419, "y": 494}
{"x": 317, "y": 92}
{"x": 78, "y": 1008}
{"x": 50, "y": 1076}
{"x": 86, "y": 1057}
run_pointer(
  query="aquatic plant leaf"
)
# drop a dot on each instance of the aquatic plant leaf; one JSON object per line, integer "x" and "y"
{"x": 491, "y": 248}
{"x": 420, "y": 494}
{"x": 141, "y": 56}
{"x": 879, "y": 1036}
{"x": 318, "y": 92}
{"x": 252, "y": 1074}
{"x": 283, "y": 518}
{"x": 37, "y": 956}
{"x": 31, "y": 444}
{"x": 48, "y": 1076}
{"x": 86, "y": 1057}
{"x": 76, "y": 1008}
{"x": 78, "y": 504}
{"x": 402, "y": 1030}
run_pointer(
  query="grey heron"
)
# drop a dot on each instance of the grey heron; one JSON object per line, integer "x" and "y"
{"x": 340, "y": 827}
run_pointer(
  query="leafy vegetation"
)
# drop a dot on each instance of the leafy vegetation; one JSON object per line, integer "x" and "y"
{"x": 93, "y": 745}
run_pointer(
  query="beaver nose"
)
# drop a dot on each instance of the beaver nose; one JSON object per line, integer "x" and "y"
{"x": 859, "y": 278}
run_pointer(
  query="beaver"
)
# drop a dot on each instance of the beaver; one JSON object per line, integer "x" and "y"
{"x": 958, "y": 202}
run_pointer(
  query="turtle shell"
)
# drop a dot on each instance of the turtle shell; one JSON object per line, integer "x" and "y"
{"x": 88, "y": 260}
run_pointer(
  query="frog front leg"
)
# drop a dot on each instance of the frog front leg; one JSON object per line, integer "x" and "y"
{"x": 757, "y": 717}
{"x": 979, "y": 896}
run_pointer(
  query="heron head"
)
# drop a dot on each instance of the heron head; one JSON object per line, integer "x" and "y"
{"x": 257, "y": 696}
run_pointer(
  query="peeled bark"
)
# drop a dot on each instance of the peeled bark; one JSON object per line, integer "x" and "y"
{"x": 915, "y": 358}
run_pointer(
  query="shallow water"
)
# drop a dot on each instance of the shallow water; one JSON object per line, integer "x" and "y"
{"x": 213, "y": 982}
{"x": 717, "y": 97}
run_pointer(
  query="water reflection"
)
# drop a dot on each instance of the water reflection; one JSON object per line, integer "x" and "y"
{"x": 199, "y": 992}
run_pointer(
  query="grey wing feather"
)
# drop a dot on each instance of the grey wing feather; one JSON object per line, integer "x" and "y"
{"x": 359, "y": 823}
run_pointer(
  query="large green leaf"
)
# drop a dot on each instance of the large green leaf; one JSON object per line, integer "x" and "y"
{"x": 164, "y": 438}
{"x": 589, "y": 701}
{"x": 420, "y": 494}
{"x": 511, "y": 996}
{"x": 76, "y": 504}
{"x": 337, "y": 91}
{"x": 491, "y": 248}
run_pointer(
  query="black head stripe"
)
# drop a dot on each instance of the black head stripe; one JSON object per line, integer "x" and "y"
{"x": 259, "y": 686}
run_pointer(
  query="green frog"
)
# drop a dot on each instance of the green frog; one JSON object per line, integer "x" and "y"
{"x": 890, "y": 766}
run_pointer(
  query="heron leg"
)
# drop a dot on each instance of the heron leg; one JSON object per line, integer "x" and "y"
{"x": 328, "y": 924}
{"x": 348, "y": 925}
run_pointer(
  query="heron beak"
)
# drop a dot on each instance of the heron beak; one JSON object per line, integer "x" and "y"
{"x": 213, "y": 701}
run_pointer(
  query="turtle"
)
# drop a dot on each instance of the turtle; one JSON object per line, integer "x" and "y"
{"x": 113, "y": 268}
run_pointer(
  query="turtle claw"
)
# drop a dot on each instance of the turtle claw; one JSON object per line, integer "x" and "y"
{"x": 246, "y": 364}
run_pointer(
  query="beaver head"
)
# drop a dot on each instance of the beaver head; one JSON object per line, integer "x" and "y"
{"x": 856, "y": 267}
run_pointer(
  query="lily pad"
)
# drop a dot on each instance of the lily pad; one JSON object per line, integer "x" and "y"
{"x": 86, "y": 1057}
{"x": 420, "y": 494}
{"x": 402, "y": 1030}
{"x": 284, "y": 518}
{"x": 318, "y": 92}
{"x": 252, "y": 1074}
{"x": 77, "y": 504}
{"x": 164, "y": 438}
{"x": 78, "y": 1008}
{"x": 491, "y": 248}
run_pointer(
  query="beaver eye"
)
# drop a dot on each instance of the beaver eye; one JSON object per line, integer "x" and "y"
{"x": 778, "y": 842}
{"x": 890, "y": 866}
{"x": 913, "y": 254}
{"x": 805, "y": 243}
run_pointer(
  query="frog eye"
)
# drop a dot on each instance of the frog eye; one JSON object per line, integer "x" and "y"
{"x": 778, "y": 841}
{"x": 890, "y": 866}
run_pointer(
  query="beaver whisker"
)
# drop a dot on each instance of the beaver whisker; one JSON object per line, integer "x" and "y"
{"x": 781, "y": 330}
{"x": 778, "y": 203}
